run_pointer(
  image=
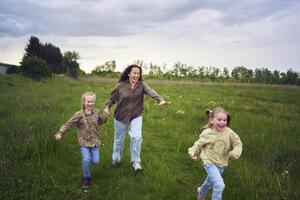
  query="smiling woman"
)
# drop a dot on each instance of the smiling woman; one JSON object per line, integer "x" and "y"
{"x": 129, "y": 96}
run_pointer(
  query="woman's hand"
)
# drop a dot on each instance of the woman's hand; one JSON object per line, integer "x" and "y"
{"x": 163, "y": 102}
{"x": 57, "y": 136}
{"x": 106, "y": 111}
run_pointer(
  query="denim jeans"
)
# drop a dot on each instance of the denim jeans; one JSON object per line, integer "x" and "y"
{"x": 135, "y": 133}
{"x": 213, "y": 180}
{"x": 89, "y": 155}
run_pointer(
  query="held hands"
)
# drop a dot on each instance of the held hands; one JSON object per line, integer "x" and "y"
{"x": 57, "y": 136}
{"x": 106, "y": 112}
{"x": 163, "y": 102}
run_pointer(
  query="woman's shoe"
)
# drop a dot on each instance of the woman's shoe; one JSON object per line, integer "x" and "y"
{"x": 199, "y": 196}
{"x": 137, "y": 166}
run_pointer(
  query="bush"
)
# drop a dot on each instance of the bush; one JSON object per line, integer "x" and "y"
{"x": 14, "y": 70}
{"x": 35, "y": 68}
{"x": 72, "y": 68}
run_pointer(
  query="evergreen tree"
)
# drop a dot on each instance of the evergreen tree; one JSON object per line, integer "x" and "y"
{"x": 33, "y": 47}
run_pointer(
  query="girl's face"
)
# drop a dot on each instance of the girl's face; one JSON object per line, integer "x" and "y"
{"x": 219, "y": 121}
{"x": 134, "y": 75}
{"x": 89, "y": 102}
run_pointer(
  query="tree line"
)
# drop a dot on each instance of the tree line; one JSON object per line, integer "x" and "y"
{"x": 42, "y": 60}
{"x": 181, "y": 71}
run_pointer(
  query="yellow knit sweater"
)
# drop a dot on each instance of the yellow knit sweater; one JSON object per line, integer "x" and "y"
{"x": 215, "y": 146}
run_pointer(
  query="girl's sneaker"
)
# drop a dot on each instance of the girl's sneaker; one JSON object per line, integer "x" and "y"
{"x": 199, "y": 196}
{"x": 86, "y": 181}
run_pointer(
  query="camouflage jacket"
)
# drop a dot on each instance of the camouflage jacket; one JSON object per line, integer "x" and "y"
{"x": 87, "y": 133}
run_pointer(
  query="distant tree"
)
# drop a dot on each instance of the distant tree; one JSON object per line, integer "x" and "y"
{"x": 201, "y": 72}
{"x": 33, "y": 47}
{"x": 108, "y": 67}
{"x": 71, "y": 56}
{"x": 70, "y": 63}
{"x": 276, "y": 77}
{"x": 292, "y": 77}
{"x": 225, "y": 73}
{"x": 266, "y": 75}
{"x": 142, "y": 64}
{"x": 54, "y": 58}
{"x": 213, "y": 73}
{"x": 81, "y": 72}
{"x": 73, "y": 68}
{"x": 48, "y": 52}
{"x": 242, "y": 73}
{"x": 35, "y": 68}
{"x": 283, "y": 78}
{"x": 183, "y": 70}
{"x": 258, "y": 75}
{"x": 155, "y": 71}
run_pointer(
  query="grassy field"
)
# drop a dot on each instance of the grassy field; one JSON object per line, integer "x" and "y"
{"x": 35, "y": 166}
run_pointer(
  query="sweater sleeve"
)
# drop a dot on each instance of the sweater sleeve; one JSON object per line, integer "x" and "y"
{"x": 72, "y": 121}
{"x": 150, "y": 92}
{"x": 236, "y": 144}
{"x": 199, "y": 144}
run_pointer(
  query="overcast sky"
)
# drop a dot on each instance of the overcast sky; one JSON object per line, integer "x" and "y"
{"x": 220, "y": 33}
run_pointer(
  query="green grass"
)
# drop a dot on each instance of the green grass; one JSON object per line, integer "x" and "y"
{"x": 35, "y": 166}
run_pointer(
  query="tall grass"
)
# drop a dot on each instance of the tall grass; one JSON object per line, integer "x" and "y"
{"x": 34, "y": 166}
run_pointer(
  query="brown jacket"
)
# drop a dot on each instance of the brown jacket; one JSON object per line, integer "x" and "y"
{"x": 87, "y": 133}
{"x": 130, "y": 102}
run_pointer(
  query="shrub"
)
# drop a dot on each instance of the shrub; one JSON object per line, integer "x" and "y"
{"x": 14, "y": 70}
{"x": 35, "y": 68}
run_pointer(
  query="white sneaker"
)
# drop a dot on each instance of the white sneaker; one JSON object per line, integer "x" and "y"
{"x": 136, "y": 166}
{"x": 116, "y": 163}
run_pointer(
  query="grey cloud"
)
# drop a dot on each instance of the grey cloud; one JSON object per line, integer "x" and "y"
{"x": 121, "y": 18}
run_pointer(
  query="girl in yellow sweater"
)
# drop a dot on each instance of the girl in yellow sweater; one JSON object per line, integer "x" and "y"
{"x": 217, "y": 144}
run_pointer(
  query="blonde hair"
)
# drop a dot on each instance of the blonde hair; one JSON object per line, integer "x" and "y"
{"x": 84, "y": 96}
{"x": 211, "y": 113}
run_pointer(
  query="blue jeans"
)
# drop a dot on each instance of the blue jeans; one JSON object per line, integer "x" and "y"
{"x": 135, "y": 132}
{"x": 213, "y": 180}
{"x": 89, "y": 155}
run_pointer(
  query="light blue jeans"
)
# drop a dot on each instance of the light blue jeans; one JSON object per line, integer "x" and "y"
{"x": 213, "y": 180}
{"x": 89, "y": 155}
{"x": 135, "y": 133}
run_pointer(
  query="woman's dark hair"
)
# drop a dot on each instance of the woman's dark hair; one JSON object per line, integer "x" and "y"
{"x": 124, "y": 75}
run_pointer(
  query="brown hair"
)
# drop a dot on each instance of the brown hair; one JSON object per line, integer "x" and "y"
{"x": 124, "y": 75}
{"x": 211, "y": 113}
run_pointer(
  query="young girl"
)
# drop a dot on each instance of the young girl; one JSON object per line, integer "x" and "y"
{"x": 217, "y": 143}
{"x": 86, "y": 120}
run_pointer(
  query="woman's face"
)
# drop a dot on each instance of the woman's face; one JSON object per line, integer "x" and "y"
{"x": 134, "y": 75}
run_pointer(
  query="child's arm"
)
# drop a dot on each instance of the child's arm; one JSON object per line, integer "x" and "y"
{"x": 198, "y": 145}
{"x": 102, "y": 118}
{"x": 67, "y": 126}
{"x": 237, "y": 146}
